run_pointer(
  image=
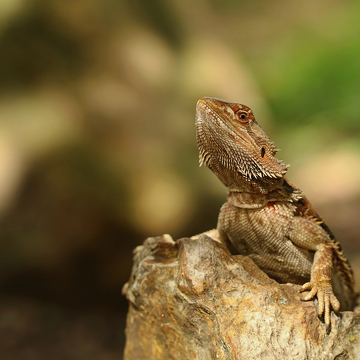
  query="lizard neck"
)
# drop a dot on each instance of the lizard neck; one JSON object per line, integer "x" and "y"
{"x": 251, "y": 198}
{"x": 261, "y": 186}
{"x": 236, "y": 182}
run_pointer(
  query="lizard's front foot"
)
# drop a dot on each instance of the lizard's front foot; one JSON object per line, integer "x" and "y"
{"x": 325, "y": 295}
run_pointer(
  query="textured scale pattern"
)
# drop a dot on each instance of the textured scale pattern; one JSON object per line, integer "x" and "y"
{"x": 266, "y": 217}
{"x": 278, "y": 256}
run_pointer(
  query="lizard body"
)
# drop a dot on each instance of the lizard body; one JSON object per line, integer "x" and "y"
{"x": 266, "y": 217}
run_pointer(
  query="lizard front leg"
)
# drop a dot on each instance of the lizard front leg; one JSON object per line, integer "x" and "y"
{"x": 311, "y": 236}
{"x": 320, "y": 283}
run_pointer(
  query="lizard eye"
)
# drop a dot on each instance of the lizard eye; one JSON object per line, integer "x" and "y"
{"x": 243, "y": 117}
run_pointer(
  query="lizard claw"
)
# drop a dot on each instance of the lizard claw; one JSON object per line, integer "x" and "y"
{"x": 325, "y": 295}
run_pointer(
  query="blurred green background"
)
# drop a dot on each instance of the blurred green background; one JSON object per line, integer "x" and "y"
{"x": 98, "y": 150}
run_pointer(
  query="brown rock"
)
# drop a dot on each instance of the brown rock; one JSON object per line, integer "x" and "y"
{"x": 192, "y": 299}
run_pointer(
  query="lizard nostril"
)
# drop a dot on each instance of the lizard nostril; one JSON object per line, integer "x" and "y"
{"x": 262, "y": 152}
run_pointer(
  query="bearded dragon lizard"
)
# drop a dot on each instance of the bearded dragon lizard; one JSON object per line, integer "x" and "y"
{"x": 266, "y": 217}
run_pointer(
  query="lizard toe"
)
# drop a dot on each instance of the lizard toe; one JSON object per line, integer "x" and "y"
{"x": 313, "y": 290}
{"x": 306, "y": 286}
{"x": 335, "y": 303}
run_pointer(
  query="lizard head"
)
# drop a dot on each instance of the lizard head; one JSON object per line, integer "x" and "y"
{"x": 228, "y": 136}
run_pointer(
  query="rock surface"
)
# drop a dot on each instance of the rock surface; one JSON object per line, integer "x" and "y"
{"x": 192, "y": 299}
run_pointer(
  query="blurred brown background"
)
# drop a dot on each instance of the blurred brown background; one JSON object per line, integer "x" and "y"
{"x": 98, "y": 151}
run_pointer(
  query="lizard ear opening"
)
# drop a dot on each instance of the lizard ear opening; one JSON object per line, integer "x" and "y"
{"x": 262, "y": 152}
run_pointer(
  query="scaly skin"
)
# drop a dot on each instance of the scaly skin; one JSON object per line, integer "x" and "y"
{"x": 266, "y": 217}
